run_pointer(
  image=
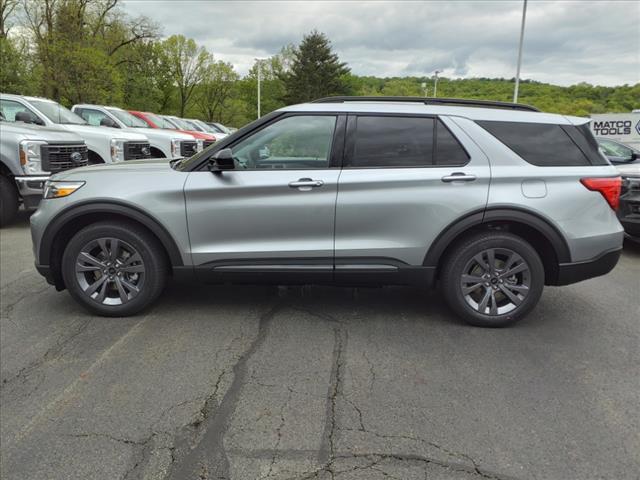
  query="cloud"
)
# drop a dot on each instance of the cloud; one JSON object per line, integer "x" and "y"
{"x": 565, "y": 42}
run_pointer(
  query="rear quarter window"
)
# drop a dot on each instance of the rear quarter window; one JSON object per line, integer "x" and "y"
{"x": 542, "y": 144}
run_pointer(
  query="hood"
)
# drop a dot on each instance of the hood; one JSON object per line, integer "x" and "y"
{"x": 198, "y": 135}
{"x": 37, "y": 132}
{"x": 159, "y": 134}
{"x": 126, "y": 167}
{"x": 107, "y": 132}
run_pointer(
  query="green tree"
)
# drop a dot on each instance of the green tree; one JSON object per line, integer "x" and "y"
{"x": 315, "y": 71}
{"x": 187, "y": 63}
{"x": 215, "y": 89}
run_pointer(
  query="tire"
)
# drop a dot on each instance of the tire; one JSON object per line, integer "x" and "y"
{"x": 490, "y": 297}
{"x": 114, "y": 285}
{"x": 9, "y": 201}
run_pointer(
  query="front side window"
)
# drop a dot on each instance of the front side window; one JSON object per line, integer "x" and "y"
{"x": 93, "y": 117}
{"x": 126, "y": 118}
{"x": 57, "y": 113}
{"x": 297, "y": 142}
{"x": 10, "y": 109}
{"x": 393, "y": 142}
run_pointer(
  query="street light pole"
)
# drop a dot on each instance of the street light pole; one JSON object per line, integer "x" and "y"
{"x": 259, "y": 81}
{"x": 524, "y": 16}
{"x": 435, "y": 84}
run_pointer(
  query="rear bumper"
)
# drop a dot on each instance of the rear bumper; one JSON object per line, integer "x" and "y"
{"x": 576, "y": 272}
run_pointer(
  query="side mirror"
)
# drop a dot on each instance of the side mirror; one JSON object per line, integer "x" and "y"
{"x": 634, "y": 156}
{"x": 28, "y": 117}
{"x": 107, "y": 122}
{"x": 221, "y": 160}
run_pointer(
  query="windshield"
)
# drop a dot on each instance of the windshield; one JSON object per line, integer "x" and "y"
{"x": 57, "y": 113}
{"x": 160, "y": 122}
{"x": 207, "y": 128}
{"x": 222, "y": 128}
{"x": 126, "y": 118}
{"x": 180, "y": 123}
{"x": 194, "y": 125}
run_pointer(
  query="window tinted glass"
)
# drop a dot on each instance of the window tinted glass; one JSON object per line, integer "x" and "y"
{"x": 292, "y": 143}
{"x": 537, "y": 143}
{"x": 393, "y": 142}
{"x": 448, "y": 149}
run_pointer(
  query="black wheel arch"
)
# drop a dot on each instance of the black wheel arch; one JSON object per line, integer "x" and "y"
{"x": 539, "y": 231}
{"x": 74, "y": 218}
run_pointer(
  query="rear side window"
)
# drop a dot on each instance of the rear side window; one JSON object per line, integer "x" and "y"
{"x": 544, "y": 145}
{"x": 395, "y": 141}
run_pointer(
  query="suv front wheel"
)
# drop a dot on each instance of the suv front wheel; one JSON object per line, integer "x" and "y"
{"x": 114, "y": 269}
{"x": 492, "y": 279}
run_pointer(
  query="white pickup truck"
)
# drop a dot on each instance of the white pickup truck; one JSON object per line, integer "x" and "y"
{"x": 164, "y": 143}
{"x": 105, "y": 146}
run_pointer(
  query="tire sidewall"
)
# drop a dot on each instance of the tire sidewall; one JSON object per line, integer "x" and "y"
{"x": 155, "y": 270}
{"x": 461, "y": 257}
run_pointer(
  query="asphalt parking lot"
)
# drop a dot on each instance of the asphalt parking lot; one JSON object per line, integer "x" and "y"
{"x": 273, "y": 382}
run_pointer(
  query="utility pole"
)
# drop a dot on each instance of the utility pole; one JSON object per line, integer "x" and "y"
{"x": 435, "y": 84}
{"x": 524, "y": 16}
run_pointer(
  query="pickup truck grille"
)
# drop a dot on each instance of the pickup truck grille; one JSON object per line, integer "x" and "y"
{"x": 136, "y": 150}
{"x": 188, "y": 148}
{"x": 63, "y": 156}
{"x": 206, "y": 143}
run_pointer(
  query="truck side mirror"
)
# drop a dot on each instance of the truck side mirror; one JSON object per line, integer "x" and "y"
{"x": 107, "y": 122}
{"x": 221, "y": 160}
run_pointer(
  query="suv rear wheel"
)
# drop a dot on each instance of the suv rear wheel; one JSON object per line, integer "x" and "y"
{"x": 114, "y": 269}
{"x": 492, "y": 279}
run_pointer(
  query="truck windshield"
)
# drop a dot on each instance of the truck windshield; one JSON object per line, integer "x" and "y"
{"x": 126, "y": 118}
{"x": 180, "y": 123}
{"x": 57, "y": 113}
{"x": 160, "y": 122}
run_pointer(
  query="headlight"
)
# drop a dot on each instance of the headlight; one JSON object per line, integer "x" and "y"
{"x": 200, "y": 146}
{"x": 31, "y": 156}
{"x": 59, "y": 189}
{"x": 117, "y": 149}
{"x": 175, "y": 147}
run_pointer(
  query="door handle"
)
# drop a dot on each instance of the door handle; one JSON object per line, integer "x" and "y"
{"x": 306, "y": 182}
{"x": 458, "y": 177}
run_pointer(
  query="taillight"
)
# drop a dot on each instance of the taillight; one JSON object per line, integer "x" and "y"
{"x": 609, "y": 188}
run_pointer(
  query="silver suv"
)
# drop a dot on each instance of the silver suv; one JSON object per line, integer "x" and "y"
{"x": 490, "y": 200}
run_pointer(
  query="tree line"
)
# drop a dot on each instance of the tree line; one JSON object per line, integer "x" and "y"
{"x": 90, "y": 51}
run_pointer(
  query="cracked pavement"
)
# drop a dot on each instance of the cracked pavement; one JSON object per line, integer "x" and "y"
{"x": 316, "y": 383}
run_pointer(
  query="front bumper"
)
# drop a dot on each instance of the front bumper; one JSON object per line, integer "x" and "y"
{"x": 578, "y": 271}
{"x": 31, "y": 188}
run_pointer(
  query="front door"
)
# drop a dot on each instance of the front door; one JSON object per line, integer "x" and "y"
{"x": 275, "y": 211}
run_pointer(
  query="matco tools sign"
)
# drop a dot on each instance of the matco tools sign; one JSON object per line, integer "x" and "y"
{"x": 624, "y": 127}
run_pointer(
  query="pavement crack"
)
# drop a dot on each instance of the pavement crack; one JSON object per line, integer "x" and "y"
{"x": 209, "y": 450}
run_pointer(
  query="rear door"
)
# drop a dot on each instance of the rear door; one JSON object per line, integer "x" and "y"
{"x": 275, "y": 212}
{"x": 405, "y": 179}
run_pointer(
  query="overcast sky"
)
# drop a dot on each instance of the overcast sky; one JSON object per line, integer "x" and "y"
{"x": 566, "y": 42}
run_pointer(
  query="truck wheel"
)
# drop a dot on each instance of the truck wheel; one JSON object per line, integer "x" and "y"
{"x": 492, "y": 279}
{"x": 8, "y": 201}
{"x": 114, "y": 269}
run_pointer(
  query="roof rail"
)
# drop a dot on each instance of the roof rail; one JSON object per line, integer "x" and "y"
{"x": 463, "y": 102}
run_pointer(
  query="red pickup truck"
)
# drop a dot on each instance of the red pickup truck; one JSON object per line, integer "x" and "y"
{"x": 156, "y": 121}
